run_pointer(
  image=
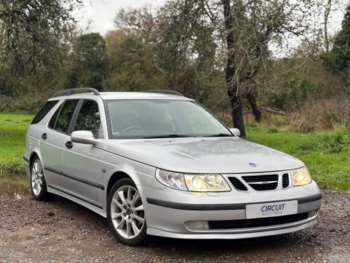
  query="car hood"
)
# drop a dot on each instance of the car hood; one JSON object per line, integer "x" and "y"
{"x": 204, "y": 155}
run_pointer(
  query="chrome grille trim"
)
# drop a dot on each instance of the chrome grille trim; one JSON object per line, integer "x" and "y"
{"x": 262, "y": 182}
{"x": 267, "y": 181}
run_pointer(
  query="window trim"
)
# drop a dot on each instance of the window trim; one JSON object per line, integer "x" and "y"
{"x": 109, "y": 123}
{"x": 60, "y": 107}
{"x": 108, "y": 119}
{"x": 58, "y": 110}
{"x": 75, "y": 116}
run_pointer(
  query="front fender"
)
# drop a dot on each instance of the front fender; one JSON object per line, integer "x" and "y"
{"x": 141, "y": 174}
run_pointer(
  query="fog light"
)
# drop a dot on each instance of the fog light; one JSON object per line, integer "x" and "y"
{"x": 197, "y": 225}
{"x": 313, "y": 213}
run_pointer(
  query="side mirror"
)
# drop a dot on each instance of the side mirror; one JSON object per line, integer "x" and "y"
{"x": 84, "y": 137}
{"x": 235, "y": 132}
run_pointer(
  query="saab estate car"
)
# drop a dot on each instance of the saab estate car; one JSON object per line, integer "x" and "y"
{"x": 157, "y": 163}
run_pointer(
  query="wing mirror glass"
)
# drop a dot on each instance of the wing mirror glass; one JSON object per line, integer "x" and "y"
{"x": 84, "y": 137}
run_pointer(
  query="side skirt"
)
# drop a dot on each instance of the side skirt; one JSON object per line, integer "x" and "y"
{"x": 76, "y": 199}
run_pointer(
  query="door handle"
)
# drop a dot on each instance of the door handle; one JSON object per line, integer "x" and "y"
{"x": 69, "y": 145}
{"x": 44, "y": 136}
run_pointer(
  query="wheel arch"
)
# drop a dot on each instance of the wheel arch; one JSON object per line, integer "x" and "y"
{"x": 116, "y": 176}
{"x": 34, "y": 154}
{"x": 126, "y": 171}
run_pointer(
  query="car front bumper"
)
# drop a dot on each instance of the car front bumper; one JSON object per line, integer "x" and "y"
{"x": 183, "y": 219}
{"x": 241, "y": 234}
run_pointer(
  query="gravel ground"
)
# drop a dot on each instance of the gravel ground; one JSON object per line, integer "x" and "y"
{"x": 61, "y": 231}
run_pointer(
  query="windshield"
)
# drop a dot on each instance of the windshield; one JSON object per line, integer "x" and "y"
{"x": 161, "y": 119}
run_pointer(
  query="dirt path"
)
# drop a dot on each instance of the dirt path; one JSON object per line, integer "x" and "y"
{"x": 61, "y": 231}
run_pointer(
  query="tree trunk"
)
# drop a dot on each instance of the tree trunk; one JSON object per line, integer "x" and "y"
{"x": 251, "y": 97}
{"x": 231, "y": 83}
{"x": 327, "y": 12}
{"x": 237, "y": 114}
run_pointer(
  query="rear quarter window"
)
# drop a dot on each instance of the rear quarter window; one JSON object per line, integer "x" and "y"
{"x": 62, "y": 118}
{"x": 43, "y": 111}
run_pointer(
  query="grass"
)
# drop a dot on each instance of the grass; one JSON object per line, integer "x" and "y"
{"x": 12, "y": 140}
{"x": 327, "y": 154}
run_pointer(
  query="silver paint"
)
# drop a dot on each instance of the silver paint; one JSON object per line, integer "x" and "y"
{"x": 140, "y": 158}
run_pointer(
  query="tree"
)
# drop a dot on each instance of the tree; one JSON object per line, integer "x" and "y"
{"x": 327, "y": 12}
{"x": 90, "y": 64}
{"x": 32, "y": 31}
{"x": 186, "y": 51}
{"x": 131, "y": 51}
{"x": 148, "y": 50}
{"x": 245, "y": 29}
{"x": 34, "y": 41}
{"x": 339, "y": 57}
{"x": 131, "y": 63}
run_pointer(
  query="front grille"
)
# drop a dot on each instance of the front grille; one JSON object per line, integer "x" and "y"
{"x": 262, "y": 182}
{"x": 285, "y": 180}
{"x": 258, "y": 222}
{"x": 237, "y": 184}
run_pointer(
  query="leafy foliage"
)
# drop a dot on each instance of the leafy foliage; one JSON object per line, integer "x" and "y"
{"x": 89, "y": 62}
{"x": 182, "y": 46}
{"x": 33, "y": 40}
{"x": 132, "y": 63}
{"x": 339, "y": 57}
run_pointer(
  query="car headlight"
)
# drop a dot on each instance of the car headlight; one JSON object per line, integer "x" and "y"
{"x": 301, "y": 177}
{"x": 193, "y": 182}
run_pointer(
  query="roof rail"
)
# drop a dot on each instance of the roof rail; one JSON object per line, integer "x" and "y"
{"x": 166, "y": 91}
{"x": 67, "y": 92}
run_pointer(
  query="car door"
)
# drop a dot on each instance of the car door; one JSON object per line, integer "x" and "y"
{"x": 83, "y": 163}
{"x": 53, "y": 140}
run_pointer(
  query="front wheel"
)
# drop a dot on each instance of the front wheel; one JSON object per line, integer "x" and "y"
{"x": 37, "y": 181}
{"x": 125, "y": 213}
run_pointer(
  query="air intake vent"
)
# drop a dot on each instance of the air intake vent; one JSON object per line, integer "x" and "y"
{"x": 262, "y": 182}
{"x": 285, "y": 180}
{"x": 237, "y": 184}
{"x": 259, "y": 222}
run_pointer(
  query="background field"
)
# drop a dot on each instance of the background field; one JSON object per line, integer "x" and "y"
{"x": 327, "y": 154}
{"x": 12, "y": 139}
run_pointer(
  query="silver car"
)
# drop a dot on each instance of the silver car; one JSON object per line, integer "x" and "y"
{"x": 157, "y": 163}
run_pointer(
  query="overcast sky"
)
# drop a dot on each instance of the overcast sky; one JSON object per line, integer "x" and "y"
{"x": 98, "y": 15}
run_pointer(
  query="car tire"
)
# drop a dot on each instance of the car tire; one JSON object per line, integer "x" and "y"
{"x": 38, "y": 185}
{"x": 125, "y": 213}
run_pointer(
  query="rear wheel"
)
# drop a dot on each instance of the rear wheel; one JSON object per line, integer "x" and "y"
{"x": 126, "y": 216}
{"x": 37, "y": 181}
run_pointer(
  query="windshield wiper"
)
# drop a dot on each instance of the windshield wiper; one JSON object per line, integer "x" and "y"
{"x": 167, "y": 136}
{"x": 186, "y": 136}
{"x": 220, "y": 135}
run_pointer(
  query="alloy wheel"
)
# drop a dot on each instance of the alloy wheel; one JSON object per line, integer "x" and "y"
{"x": 127, "y": 212}
{"x": 37, "y": 180}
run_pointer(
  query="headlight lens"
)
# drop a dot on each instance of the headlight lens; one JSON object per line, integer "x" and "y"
{"x": 193, "y": 182}
{"x": 301, "y": 177}
{"x": 206, "y": 183}
{"x": 171, "y": 179}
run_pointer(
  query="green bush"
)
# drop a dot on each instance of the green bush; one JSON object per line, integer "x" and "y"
{"x": 26, "y": 103}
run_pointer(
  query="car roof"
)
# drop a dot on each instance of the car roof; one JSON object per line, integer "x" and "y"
{"x": 125, "y": 96}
